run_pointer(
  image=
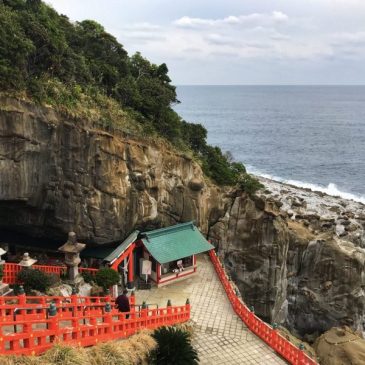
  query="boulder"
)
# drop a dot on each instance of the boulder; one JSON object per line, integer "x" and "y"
{"x": 340, "y": 346}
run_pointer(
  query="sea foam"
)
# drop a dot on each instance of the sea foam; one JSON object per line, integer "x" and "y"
{"x": 330, "y": 189}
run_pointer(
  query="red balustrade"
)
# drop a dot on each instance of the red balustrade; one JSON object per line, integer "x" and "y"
{"x": 11, "y": 271}
{"x": 34, "y": 307}
{"x": 268, "y": 334}
{"x": 89, "y": 270}
{"x": 28, "y": 326}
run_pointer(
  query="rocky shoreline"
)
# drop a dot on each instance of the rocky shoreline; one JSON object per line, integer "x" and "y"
{"x": 320, "y": 212}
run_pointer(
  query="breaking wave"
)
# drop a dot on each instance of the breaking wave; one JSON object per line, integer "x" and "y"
{"x": 330, "y": 189}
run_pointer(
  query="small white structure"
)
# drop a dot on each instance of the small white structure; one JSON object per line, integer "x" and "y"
{"x": 2, "y": 252}
{"x": 27, "y": 261}
{"x": 2, "y": 262}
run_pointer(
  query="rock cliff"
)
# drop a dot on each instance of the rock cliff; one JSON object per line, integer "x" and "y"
{"x": 296, "y": 256}
{"x": 58, "y": 175}
{"x": 340, "y": 346}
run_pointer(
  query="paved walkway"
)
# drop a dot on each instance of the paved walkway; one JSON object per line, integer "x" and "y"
{"x": 220, "y": 336}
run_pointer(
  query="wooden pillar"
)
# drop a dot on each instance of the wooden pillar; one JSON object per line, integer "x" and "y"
{"x": 158, "y": 271}
{"x": 194, "y": 262}
{"x": 131, "y": 268}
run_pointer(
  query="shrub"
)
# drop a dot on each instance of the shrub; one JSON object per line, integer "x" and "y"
{"x": 107, "y": 277}
{"x": 249, "y": 184}
{"x": 88, "y": 277}
{"x": 33, "y": 279}
{"x": 173, "y": 347}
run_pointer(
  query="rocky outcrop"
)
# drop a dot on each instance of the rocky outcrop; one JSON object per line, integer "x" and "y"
{"x": 254, "y": 243}
{"x": 340, "y": 346}
{"x": 59, "y": 175}
{"x": 291, "y": 263}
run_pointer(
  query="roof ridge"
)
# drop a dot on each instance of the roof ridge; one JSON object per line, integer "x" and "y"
{"x": 164, "y": 230}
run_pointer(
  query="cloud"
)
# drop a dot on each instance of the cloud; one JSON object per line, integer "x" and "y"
{"x": 346, "y": 38}
{"x": 144, "y": 26}
{"x": 221, "y": 40}
{"x": 261, "y": 36}
{"x": 253, "y": 19}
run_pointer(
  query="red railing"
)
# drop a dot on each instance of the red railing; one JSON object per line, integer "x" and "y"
{"x": 89, "y": 270}
{"x": 269, "y": 335}
{"x": 11, "y": 271}
{"x": 12, "y": 305}
{"x": 30, "y": 326}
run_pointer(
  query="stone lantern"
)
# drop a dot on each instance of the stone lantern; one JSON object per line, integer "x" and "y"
{"x": 2, "y": 262}
{"x": 27, "y": 261}
{"x": 2, "y": 252}
{"x": 3, "y": 287}
{"x": 72, "y": 250}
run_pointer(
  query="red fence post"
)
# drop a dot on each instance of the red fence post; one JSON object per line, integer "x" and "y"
{"x": 187, "y": 307}
{"x": 108, "y": 319}
{"x": 53, "y": 322}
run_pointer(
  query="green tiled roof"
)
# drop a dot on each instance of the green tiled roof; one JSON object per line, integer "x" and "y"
{"x": 175, "y": 242}
{"x": 122, "y": 247}
{"x": 98, "y": 252}
{"x": 109, "y": 252}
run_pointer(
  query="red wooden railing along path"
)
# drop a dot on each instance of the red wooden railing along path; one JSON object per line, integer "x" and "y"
{"x": 29, "y": 326}
{"x": 24, "y": 307}
{"x": 11, "y": 271}
{"x": 269, "y": 335}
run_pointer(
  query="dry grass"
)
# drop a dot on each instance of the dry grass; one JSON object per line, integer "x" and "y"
{"x": 65, "y": 355}
{"x": 19, "y": 360}
{"x": 140, "y": 347}
{"x": 109, "y": 353}
{"x": 133, "y": 351}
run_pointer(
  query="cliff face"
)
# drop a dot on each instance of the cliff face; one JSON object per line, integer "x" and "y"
{"x": 254, "y": 242}
{"x": 296, "y": 256}
{"x": 57, "y": 176}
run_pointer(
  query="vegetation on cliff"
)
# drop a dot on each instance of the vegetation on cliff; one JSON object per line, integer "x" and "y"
{"x": 83, "y": 71}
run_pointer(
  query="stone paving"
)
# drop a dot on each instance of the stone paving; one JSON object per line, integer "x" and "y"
{"x": 219, "y": 334}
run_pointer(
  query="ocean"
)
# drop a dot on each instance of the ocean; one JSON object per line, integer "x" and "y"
{"x": 309, "y": 136}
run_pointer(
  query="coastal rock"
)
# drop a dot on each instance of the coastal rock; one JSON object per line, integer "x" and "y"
{"x": 58, "y": 176}
{"x": 254, "y": 249}
{"x": 307, "y": 273}
{"x": 196, "y": 184}
{"x": 340, "y": 346}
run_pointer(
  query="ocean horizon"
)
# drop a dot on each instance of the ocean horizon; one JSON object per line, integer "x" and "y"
{"x": 310, "y": 136}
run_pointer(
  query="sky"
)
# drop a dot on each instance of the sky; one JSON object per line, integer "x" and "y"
{"x": 234, "y": 42}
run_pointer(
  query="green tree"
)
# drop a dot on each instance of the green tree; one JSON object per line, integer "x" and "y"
{"x": 195, "y": 135}
{"x": 15, "y": 49}
{"x": 34, "y": 279}
{"x": 107, "y": 277}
